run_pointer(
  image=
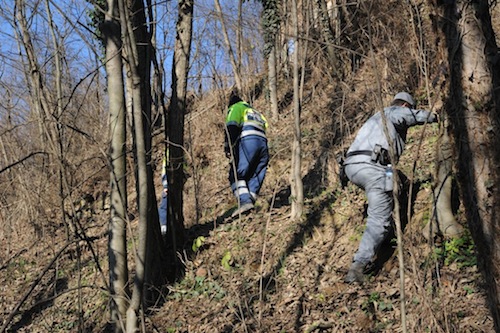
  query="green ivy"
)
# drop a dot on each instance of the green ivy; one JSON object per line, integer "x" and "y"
{"x": 458, "y": 250}
{"x": 96, "y": 19}
{"x": 377, "y": 302}
{"x": 198, "y": 287}
{"x": 270, "y": 22}
{"x": 197, "y": 243}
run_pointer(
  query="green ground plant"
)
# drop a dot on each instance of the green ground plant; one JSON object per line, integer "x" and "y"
{"x": 458, "y": 250}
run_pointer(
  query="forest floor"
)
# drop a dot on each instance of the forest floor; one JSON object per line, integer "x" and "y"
{"x": 266, "y": 273}
{"x": 262, "y": 272}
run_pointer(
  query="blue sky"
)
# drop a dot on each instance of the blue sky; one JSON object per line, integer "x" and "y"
{"x": 70, "y": 16}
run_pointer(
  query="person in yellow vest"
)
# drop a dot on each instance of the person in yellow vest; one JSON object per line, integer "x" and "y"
{"x": 246, "y": 144}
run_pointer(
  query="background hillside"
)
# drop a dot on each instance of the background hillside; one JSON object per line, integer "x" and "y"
{"x": 264, "y": 272}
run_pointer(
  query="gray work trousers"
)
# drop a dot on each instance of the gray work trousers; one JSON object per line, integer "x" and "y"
{"x": 371, "y": 178}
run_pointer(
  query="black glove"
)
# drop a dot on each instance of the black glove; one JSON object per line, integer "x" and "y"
{"x": 342, "y": 176}
{"x": 437, "y": 117}
{"x": 227, "y": 150}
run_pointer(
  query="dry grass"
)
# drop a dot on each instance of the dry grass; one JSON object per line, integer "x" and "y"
{"x": 296, "y": 285}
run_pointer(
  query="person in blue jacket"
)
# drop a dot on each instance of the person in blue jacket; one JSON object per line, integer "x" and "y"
{"x": 246, "y": 146}
{"x": 368, "y": 165}
{"x": 163, "y": 209}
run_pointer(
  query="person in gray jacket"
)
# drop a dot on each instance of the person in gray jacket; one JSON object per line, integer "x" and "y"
{"x": 368, "y": 165}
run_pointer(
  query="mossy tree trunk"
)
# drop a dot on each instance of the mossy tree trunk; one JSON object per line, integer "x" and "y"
{"x": 271, "y": 24}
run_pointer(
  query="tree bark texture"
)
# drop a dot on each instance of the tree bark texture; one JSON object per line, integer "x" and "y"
{"x": 273, "y": 82}
{"x": 446, "y": 224}
{"x": 474, "y": 114}
{"x": 117, "y": 256}
{"x": 271, "y": 24}
{"x": 175, "y": 132}
{"x": 328, "y": 35}
{"x": 297, "y": 188}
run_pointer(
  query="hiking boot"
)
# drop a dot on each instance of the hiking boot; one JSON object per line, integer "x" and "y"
{"x": 355, "y": 273}
{"x": 244, "y": 208}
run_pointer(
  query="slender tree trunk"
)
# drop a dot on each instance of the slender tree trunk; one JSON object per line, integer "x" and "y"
{"x": 175, "y": 130}
{"x": 273, "y": 82}
{"x": 239, "y": 37}
{"x": 51, "y": 135}
{"x": 132, "y": 26}
{"x": 328, "y": 35}
{"x": 229, "y": 48}
{"x": 118, "y": 270}
{"x": 155, "y": 265}
{"x": 297, "y": 188}
{"x": 271, "y": 24}
{"x": 59, "y": 130}
{"x": 62, "y": 142}
{"x": 475, "y": 118}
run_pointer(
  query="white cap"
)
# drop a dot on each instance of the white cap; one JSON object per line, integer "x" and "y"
{"x": 404, "y": 96}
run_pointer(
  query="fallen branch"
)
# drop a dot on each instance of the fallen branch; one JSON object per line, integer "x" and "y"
{"x": 319, "y": 325}
{"x": 22, "y": 160}
{"x": 7, "y": 262}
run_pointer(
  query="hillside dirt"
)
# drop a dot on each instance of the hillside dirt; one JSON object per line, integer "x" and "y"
{"x": 264, "y": 272}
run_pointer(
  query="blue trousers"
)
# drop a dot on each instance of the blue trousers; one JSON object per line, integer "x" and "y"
{"x": 162, "y": 211}
{"x": 251, "y": 159}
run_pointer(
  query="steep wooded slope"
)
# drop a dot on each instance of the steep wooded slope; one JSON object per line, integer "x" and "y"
{"x": 265, "y": 273}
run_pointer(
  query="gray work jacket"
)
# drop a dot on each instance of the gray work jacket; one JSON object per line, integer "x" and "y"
{"x": 399, "y": 119}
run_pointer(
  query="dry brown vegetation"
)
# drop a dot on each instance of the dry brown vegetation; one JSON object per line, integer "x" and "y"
{"x": 263, "y": 273}
{"x": 286, "y": 276}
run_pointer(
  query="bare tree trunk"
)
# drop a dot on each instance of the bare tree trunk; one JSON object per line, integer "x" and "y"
{"x": 155, "y": 266}
{"x": 229, "y": 48}
{"x": 64, "y": 186}
{"x": 271, "y": 23}
{"x": 133, "y": 21}
{"x": 328, "y": 35}
{"x": 239, "y": 36}
{"x": 273, "y": 82}
{"x": 58, "y": 110}
{"x": 475, "y": 118}
{"x": 51, "y": 134}
{"x": 175, "y": 132}
{"x": 297, "y": 187}
{"x": 118, "y": 270}
{"x": 446, "y": 222}
{"x": 283, "y": 45}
